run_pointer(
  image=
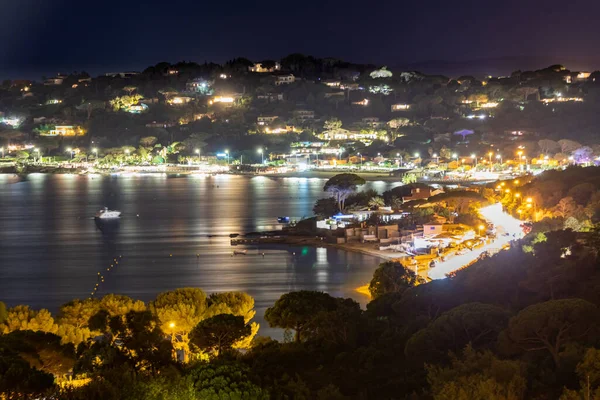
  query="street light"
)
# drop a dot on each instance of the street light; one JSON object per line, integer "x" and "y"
{"x": 227, "y": 153}
{"x": 70, "y": 150}
{"x": 480, "y": 229}
{"x": 437, "y": 159}
{"x": 474, "y": 157}
{"x": 262, "y": 160}
{"x": 39, "y": 154}
{"x": 360, "y": 155}
{"x": 2, "y": 149}
{"x": 398, "y": 159}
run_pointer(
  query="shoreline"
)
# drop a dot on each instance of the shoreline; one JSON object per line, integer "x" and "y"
{"x": 362, "y": 248}
{"x": 183, "y": 170}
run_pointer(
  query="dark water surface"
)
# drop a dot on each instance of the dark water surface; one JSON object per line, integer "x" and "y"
{"x": 51, "y": 248}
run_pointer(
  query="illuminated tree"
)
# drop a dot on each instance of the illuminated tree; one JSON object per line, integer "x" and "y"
{"x": 392, "y": 277}
{"x": 568, "y": 146}
{"x": 178, "y": 312}
{"x": 224, "y": 381}
{"x": 548, "y": 146}
{"x": 24, "y": 318}
{"x": 219, "y": 333}
{"x": 238, "y": 304}
{"x": 341, "y": 186}
{"x": 381, "y": 73}
{"x": 376, "y": 202}
{"x": 332, "y": 125}
{"x": 116, "y": 304}
{"x": 148, "y": 141}
{"x": 296, "y": 310}
{"x": 125, "y": 102}
{"x": 3, "y": 313}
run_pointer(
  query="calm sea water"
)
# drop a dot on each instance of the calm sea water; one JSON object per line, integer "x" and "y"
{"x": 51, "y": 249}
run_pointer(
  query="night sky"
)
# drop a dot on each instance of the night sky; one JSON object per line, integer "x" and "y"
{"x": 49, "y": 36}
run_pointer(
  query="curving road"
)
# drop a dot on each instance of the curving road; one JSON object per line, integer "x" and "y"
{"x": 505, "y": 224}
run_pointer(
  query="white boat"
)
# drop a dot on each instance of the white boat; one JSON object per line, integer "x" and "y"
{"x": 108, "y": 214}
{"x": 241, "y": 252}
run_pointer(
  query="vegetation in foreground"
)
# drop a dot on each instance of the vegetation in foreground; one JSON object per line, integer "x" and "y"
{"x": 522, "y": 324}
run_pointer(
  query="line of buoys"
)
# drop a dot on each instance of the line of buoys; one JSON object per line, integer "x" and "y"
{"x": 100, "y": 277}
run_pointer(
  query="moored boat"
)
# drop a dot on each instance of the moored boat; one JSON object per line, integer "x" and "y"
{"x": 108, "y": 214}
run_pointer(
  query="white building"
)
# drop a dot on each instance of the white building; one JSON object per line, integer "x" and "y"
{"x": 400, "y": 107}
{"x": 303, "y": 115}
{"x": 266, "y": 120}
{"x": 127, "y": 74}
{"x": 284, "y": 79}
{"x": 270, "y": 96}
{"x": 57, "y": 80}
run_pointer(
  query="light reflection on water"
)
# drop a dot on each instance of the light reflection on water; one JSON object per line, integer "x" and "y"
{"x": 51, "y": 249}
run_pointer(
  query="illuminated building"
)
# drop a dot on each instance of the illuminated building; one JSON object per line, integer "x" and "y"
{"x": 65, "y": 130}
{"x": 57, "y": 80}
{"x": 270, "y": 96}
{"x": 180, "y": 100}
{"x": 258, "y": 67}
{"x": 400, "y": 107}
{"x": 222, "y": 99}
{"x": 284, "y": 79}
{"x": 334, "y": 83}
{"x": 265, "y": 120}
{"x": 363, "y": 102}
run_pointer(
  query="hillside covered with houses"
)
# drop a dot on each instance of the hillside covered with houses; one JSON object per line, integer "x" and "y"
{"x": 303, "y": 109}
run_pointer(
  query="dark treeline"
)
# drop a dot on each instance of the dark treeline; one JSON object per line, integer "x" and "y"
{"x": 522, "y": 324}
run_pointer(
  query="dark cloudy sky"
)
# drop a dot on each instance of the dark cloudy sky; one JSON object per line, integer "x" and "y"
{"x": 48, "y": 36}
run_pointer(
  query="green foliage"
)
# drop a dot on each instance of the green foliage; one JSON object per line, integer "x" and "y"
{"x": 341, "y": 186}
{"x": 409, "y": 178}
{"x": 552, "y": 325}
{"x": 477, "y": 375}
{"x": 124, "y": 102}
{"x": 179, "y": 311}
{"x": 376, "y": 202}
{"x": 325, "y": 207}
{"x": 24, "y": 318}
{"x": 236, "y": 303}
{"x": 19, "y": 380}
{"x": 296, "y": 310}
{"x": 219, "y": 333}
{"x": 476, "y": 324}
{"x": 135, "y": 339}
{"x": 392, "y": 277}
{"x": 224, "y": 382}
{"x": 3, "y": 312}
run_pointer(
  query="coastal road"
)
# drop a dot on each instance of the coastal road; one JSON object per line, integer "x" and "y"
{"x": 504, "y": 223}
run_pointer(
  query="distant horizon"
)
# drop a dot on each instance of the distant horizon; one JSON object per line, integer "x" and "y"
{"x": 482, "y": 66}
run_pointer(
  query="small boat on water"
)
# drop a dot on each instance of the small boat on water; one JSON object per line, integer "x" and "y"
{"x": 240, "y": 252}
{"x": 108, "y": 214}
